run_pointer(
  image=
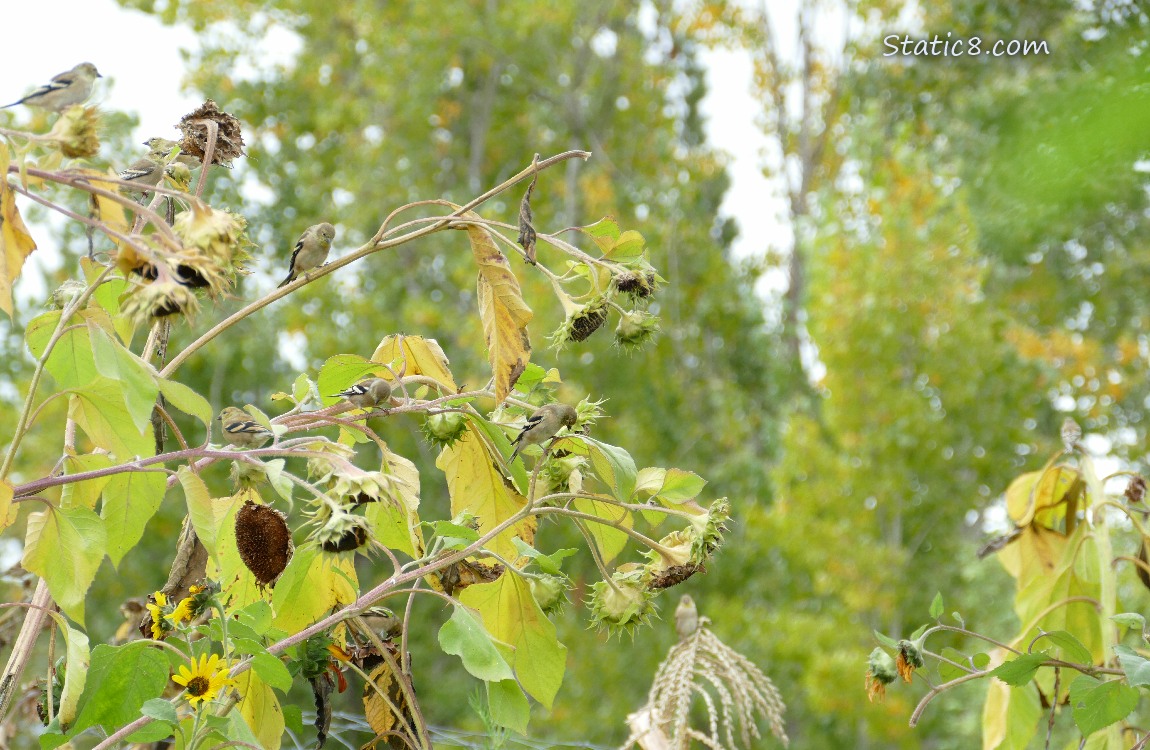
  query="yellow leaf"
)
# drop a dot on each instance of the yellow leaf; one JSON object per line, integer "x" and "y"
{"x": 477, "y": 486}
{"x": 1043, "y": 497}
{"x": 1009, "y": 715}
{"x": 15, "y": 242}
{"x": 415, "y": 355}
{"x": 240, "y": 586}
{"x": 7, "y": 507}
{"x": 104, "y": 209}
{"x": 260, "y": 709}
{"x": 380, "y": 712}
{"x": 399, "y": 528}
{"x": 512, "y": 616}
{"x": 504, "y": 313}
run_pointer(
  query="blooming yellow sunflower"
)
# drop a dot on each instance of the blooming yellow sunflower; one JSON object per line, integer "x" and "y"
{"x": 183, "y": 611}
{"x": 204, "y": 680}
{"x": 159, "y": 627}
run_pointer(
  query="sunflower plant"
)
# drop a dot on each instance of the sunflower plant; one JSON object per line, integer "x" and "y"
{"x": 264, "y": 591}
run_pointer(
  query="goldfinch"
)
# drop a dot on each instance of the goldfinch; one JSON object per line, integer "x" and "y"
{"x": 145, "y": 173}
{"x": 367, "y": 394}
{"x": 163, "y": 147}
{"x": 64, "y": 90}
{"x": 686, "y": 617}
{"x": 239, "y": 429}
{"x": 311, "y": 251}
{"x": 542, "y": 426}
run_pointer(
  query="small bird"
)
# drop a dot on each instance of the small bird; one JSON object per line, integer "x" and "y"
{"x": 542, "y": 426}
{"x": 64, "y": 90}
{"x": 311, "y": 250}
{"x": 368, "y": 393}
{"x": 686, "y": 617}
{"x": 240, "y": 430}
{"x": 145, "y": 173}
{"x": 1070, "y": 433}
{"x": 163, "y": 147}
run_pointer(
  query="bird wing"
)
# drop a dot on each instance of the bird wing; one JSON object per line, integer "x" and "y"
{"x": 135, "y": 172}
{"x": 533, "y": 420}
{"x": 60, "y": 81}
{"x": 291, "y": 264}
{"x": 244, "y": 428}
{"x": 358, "y": 389}
{"x": 295, "y": 254}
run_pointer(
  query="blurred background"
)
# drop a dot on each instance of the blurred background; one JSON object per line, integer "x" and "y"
{"x": 890, "y": 279}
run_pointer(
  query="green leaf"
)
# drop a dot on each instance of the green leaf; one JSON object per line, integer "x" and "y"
{"x": 137, "y": 380}
{"x": 452, "y": 535}
{"x": 608, "y": 539}
{"x": 121, "y": 680}
{"x": 160, "y": 710}
{"x": 1136, "y": 667}
{"x": 613, "y": 465}
{"x": 1020, "y": 671}
{"x": 257, "y": 616}
{"x": 936, "y": 606}
{"x": 186, "y": 400}
{"x": 71, "y": 361}
{"x": 463, "y": 635}
{"x": 85, "y": 493}
{"x": 272, "y": 671}
{"x": 129, "y": 501}
{"x": 508, "y": 705}
{"x": 885, "y": 640}
{"x": 76, "y": 674}
{"x": 64, "y": 546}
{"x": 107, "y": 296}
{"x": 671, "y": 486}
{"x": 206, "y": 514}
{"x": 628, "y": 248}
{"x": 1097, "y": 705}
{"x": 274, "y": 471}
{"x": 99, "y": 409}
{"x": 551, "y": 564}
{"x": 1072, "y": 648}
{"x": 948, "y": 671}
{"x": 152, "y": 732}
{"x": 293, "y": 718}
{"x": 340, "y": 372}
{"x": 604, "y": 232}
{"x": 1131, "y": 620}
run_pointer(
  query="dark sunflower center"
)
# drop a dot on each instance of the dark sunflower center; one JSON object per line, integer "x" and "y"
{"x": 198, "y": 685}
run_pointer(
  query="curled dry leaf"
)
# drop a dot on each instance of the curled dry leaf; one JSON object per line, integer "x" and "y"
{"x": 229, "y": 139}
{"x": 526, "y": 227}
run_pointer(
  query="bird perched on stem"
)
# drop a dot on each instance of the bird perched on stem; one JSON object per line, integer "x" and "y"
{"x": 311, "y": 250}
{"x": 241, "y": 430}
{"x": 542, "y": 426}
{"x": 369, "y": 393}
{"x": 686, "y": 617}
{"x": 163, "y": 147}
{"x": 64, "y": 90}
{"x": 146, "y": 173}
